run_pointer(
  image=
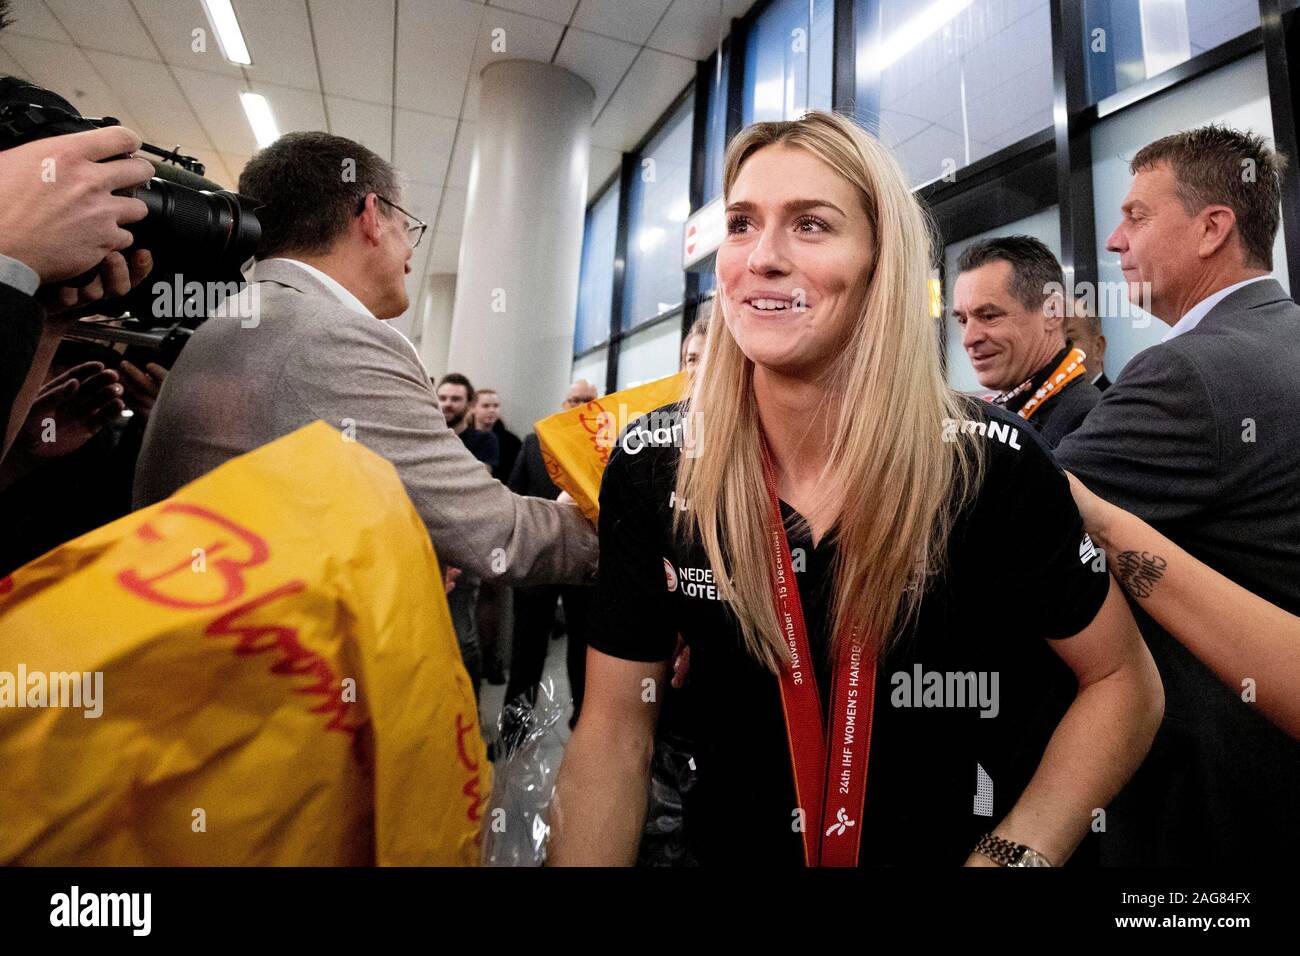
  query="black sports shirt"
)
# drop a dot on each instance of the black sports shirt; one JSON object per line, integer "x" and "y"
{"x": 964, "y": 706}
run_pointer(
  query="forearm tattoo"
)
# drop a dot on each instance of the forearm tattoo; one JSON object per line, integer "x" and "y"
{"x": 1140, "y": 571}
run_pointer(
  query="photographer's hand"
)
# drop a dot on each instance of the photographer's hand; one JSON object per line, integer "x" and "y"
{"x": 58, "y": 213}
{"x": 115, "y": 278}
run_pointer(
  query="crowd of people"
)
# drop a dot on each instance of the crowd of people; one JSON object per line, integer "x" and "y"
{"x": 1058, "y": 625}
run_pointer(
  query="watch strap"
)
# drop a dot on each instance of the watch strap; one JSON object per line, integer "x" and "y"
{"x": 1004, "y": 852}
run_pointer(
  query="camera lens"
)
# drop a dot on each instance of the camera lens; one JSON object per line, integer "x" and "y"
{"x": 210, "y": 225}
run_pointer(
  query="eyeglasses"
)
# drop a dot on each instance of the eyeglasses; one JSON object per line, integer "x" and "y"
{"x": 415, "y": 227}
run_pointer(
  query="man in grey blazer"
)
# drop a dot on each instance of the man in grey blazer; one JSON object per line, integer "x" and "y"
{"x": 306, "y": 341}
{"x": 1200, "y": 436}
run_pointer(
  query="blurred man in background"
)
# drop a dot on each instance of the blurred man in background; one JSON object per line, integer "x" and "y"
{"x": 456, "y": 398}
{"x": 487, "y": 418}
{"x": 1084, "y": 330}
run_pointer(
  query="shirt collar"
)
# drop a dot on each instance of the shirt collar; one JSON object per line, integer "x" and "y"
{"x": 1201, "y": 309}
{"x": 348, "y": 300}
{"x": 1015, "y": 399}
{"x": 345, "y": 297}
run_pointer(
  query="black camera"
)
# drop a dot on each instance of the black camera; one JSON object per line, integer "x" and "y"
{"x": 197, "y": 232}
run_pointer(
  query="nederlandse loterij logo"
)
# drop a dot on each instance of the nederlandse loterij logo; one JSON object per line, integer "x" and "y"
{"x": 73, "y": 689}
{"x": 692, "y": 582}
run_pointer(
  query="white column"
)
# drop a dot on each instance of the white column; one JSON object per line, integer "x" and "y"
{"x": 434, "y": 322}
{"x": 517, "y": 285}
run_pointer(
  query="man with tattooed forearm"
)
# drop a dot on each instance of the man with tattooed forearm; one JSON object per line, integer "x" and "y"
{"x": 1250, "y": 644}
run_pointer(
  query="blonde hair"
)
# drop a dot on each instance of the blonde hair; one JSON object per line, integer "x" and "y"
{"x": 899, "y": 485}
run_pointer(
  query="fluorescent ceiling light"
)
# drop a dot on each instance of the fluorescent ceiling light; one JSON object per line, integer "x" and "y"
{"x": 916, "y": 31}
{"x": 260, "y": 118}
{"x": 231, "y": 39}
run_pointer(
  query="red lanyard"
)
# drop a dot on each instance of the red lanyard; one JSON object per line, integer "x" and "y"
{"x": 830, "y": 763}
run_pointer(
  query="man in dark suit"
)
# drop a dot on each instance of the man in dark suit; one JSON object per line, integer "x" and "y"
{"x": 1199, "y": 436}
{"x": 1009, "y": 300}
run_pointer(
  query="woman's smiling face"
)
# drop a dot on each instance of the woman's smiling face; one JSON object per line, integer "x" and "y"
{"x": 798, "y": 249}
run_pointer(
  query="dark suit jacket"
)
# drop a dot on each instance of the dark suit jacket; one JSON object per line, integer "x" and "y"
{"x": 510, "y": 446}
{"x": 529, "y": 476}
{"x": 1066, "y": 411}
{"x": 1200, "y": 436}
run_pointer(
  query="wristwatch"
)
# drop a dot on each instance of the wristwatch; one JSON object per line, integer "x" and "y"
{"x": 1005, "y": 853}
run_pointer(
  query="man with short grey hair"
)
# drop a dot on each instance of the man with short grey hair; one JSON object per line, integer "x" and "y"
{"x": 1199, "y": 436}
{"x": 336, "y": 247}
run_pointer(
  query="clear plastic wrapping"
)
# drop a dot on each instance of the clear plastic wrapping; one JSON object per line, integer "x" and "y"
{"x": 528, "y": 748}
{"x": 528, "y": 744}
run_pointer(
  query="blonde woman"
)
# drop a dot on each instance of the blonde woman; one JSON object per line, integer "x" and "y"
{"x": 900, "y": 648}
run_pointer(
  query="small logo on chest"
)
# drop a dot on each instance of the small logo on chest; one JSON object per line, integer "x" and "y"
{"x": 691, "y": 582}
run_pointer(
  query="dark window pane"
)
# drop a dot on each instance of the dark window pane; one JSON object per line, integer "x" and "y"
{"x": 659, "y": 204}
{"x": 1128, "y": 41}
{"x": 596, "y": 282}
{"x": 788, "y": 61}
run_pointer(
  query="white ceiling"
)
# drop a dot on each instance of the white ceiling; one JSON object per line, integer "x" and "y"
{"x": 399, "y": 76}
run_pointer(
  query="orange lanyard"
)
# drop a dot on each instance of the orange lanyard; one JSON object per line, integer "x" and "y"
{"x": 1071, "y": 367}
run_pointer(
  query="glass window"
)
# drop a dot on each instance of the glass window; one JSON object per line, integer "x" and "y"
{"x": 593, "y": 367}
{"x": 1045, "y": 225}
{"x": 1235, "y": 95}
{"x": 788, "y": 60}
{"x": 660, "y": 202}
{"x": 708, "y": 283}
{"x": 945, "y": 84}
{"x": 1128, "y": 41}
{"x": 650, "y": 353}
{"x": 715, "y": 135}
{"x": 596, "y": 280}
